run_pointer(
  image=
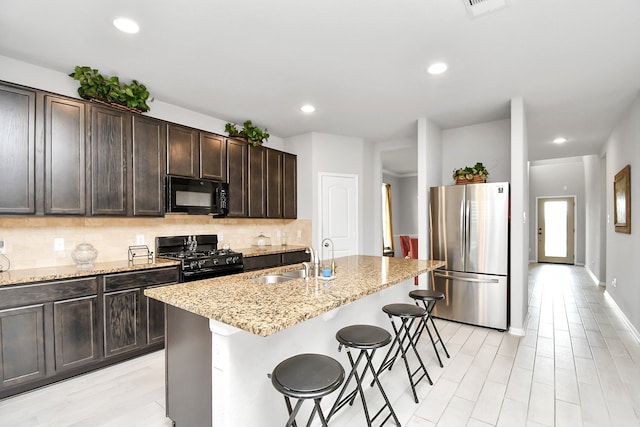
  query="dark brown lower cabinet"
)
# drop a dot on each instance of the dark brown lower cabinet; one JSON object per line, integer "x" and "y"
{"x": 75, "y": 326}
{"x": 155, "y": 320}
{"x": 121, "y": 324}
{"x": 54, "y": 330}
{"x": 260, "y": 262}
{"x": 22, "y": 345}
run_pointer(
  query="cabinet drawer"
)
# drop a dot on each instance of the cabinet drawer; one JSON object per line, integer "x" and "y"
{"x": 261, "y": 261}
{"x": 16, "y": 296}
{"x": 295, "y": 257}
{"x": 139, "y": 279}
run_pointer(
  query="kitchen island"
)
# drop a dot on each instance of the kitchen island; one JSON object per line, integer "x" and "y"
{"x": 224, "y": 335}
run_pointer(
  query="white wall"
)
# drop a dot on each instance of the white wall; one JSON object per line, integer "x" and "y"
{"x": 519, "y": 217}
{"x": 623, "y": 148}
{"x": 560, "y": 177}
{"x": 14, "y": 71}
{"x": 430, "y": 149}
{"x": 593, "y": 216}
{"x": 489, "y": 143}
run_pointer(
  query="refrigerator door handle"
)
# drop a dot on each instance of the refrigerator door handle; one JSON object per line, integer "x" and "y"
{"x": 465, "y": 279}
{"x": 463, "y": 233}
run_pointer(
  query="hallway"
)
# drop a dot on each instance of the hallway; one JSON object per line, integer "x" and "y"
{"x": 578, "y": 365}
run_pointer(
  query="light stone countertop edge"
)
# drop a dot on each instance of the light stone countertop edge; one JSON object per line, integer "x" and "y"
{"x": 264, "y": 309}
{"x": 46, "y": 274}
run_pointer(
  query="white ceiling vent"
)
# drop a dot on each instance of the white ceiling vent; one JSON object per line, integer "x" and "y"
{"x": 480, "y": 7}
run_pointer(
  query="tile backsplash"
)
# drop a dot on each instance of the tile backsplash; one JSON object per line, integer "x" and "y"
{"x": 29, "y": 241}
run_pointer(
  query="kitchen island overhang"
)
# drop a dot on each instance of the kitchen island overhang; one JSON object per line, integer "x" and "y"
{"x": 246, "y": 328}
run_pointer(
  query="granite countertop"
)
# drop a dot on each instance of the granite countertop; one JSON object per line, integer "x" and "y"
{"x": 268, "y": 250}
{"x": 43, "y": 274}
{"x": 264, "y": 309}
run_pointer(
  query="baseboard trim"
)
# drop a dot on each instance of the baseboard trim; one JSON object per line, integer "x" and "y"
{"x": 517, "y": 331}
{"x": 595, "y": 279}
{"x": 626, "y": 320}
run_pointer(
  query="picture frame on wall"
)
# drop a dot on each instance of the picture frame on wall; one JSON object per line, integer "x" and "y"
{"x": 622, "y": 200}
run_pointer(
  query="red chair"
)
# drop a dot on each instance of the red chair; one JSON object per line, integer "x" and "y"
{"x": 409, "y": 248}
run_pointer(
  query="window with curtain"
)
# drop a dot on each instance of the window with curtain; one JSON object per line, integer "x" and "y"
{"x": 387, "y": 223}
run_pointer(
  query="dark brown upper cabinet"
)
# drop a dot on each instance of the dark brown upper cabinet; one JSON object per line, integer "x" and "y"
{"x": 65, "y": 158}
{"x": 110, "y": 160}
{"x": 17, "y": 150}
{"x": 213, "y": 157}
{"x": 289, "y": 185}
{"x": 273, "y": 185}
{"x": 195, "y": 154}
{"x": 183, "y": 151}
{"x": 127, "y": 164}
{"x": 149, "y": 137}
{"x": 257, "y": 182}
{"x": 237, "y": 172}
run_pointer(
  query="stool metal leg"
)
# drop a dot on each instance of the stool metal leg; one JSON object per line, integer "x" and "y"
{"x": 424, "y": 325}
{"x": 349, "y": 398}
{"x": 401, "y": 334}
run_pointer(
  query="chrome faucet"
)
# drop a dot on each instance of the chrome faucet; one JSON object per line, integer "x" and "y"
{"x": 307, "y": 269}
{"x": 314, "y": 259}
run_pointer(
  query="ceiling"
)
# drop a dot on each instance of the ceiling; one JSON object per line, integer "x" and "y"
{"x": 362, "y": 63}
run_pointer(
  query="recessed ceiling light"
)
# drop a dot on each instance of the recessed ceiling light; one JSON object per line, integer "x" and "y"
{"x": 308, "y": 108}
{"x": 437, "y": 68}
{"x": 126, "y": 25}
{"x": 560, "y": 140}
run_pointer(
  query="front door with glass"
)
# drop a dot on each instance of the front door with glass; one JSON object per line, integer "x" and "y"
{"x": 556, "y": 230}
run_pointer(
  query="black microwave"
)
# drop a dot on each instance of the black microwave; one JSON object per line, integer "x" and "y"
{"x": 197, "y": 196}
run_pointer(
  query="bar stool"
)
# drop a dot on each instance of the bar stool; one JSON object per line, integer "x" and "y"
{"x": 429, "y": 299}
{"x": 367, "y": 339}
{"x": 307, "y": 376}
{"x": 408, "y": 314}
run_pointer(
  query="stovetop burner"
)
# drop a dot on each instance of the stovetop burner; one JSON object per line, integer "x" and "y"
{"x": 199, "y": 255}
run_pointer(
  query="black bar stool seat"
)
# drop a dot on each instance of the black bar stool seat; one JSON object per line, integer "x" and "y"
{"x": 307, "y": 376}
{"x": 408, "y": 314}
{"x": 429, "y": 299}
{"x": 367, "y": 339}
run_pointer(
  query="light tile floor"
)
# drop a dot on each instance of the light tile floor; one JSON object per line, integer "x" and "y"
{"x": 578, "y": 365}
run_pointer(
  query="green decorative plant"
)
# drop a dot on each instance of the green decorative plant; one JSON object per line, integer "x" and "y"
{"x": 94, "y": 85}
{"x": 253, "y": 134}
{"x": 469, "y": 172}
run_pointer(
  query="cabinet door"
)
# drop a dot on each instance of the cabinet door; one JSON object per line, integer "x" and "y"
{"x": 273, "y": 183}
{"x": 183, "y": 153}
{"x": 289, "y": 186}
{"x": 257, "y": 170}
{"x": 149, "y": 138}
{"x": 17, "y": 150}
{"x": 22, "y": 357}
{"x": 155, "y": 321}
{"x": 64, "y": 151}
{"x": 213, "y": 157}
{"x": 237, "y": 162}
{"x": 121, "y": 321}
{"x": 110, "y": 136}
{"x": 75, "y": 323}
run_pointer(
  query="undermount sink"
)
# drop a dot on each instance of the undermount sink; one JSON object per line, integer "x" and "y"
{"x": 274, "y": 278}
{"x": 295, "y": 274}
{"x": 281, "y": 277}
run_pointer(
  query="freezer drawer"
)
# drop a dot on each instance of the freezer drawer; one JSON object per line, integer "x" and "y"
{"x": 478, "y": 299}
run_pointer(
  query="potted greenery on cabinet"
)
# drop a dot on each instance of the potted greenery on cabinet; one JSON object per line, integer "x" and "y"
{"x": 95, "y": 86}
{"x": 251, "y": 133}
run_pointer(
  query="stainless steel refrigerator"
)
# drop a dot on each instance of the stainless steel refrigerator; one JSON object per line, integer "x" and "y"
{"x": 470, "y": 231}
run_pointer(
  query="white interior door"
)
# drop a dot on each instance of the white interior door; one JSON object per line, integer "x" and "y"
{"x": 339, "y": 214}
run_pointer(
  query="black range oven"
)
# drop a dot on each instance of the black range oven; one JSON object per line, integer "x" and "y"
{"x": 199, "y": 256}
